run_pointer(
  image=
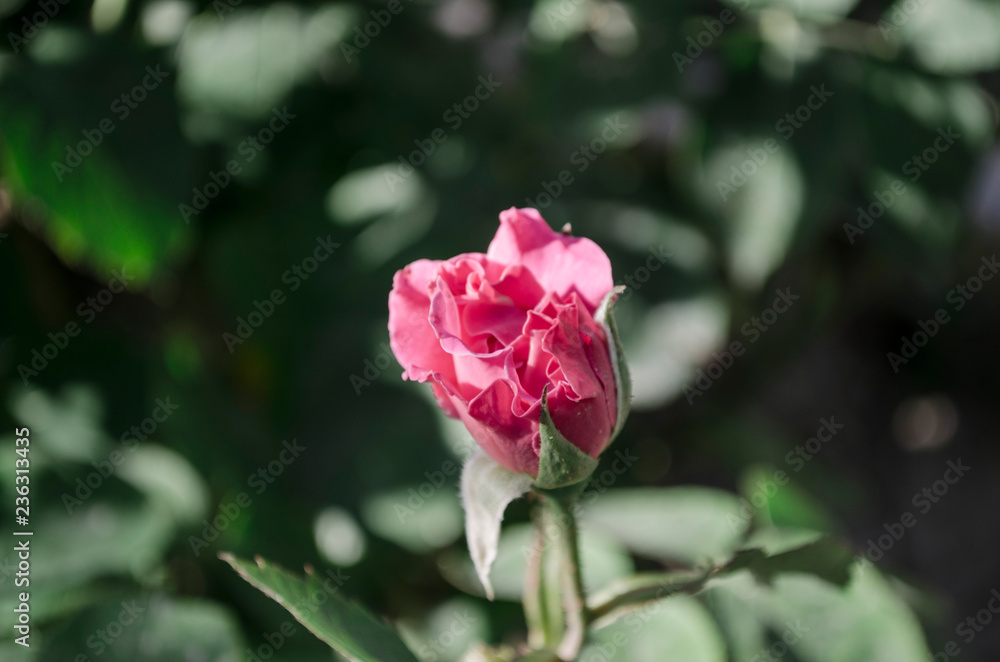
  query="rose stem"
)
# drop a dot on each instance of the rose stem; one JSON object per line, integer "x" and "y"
{"x": 562, "y": 504}
{"x": 542, "y": 610}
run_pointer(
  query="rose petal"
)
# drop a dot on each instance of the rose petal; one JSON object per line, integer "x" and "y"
{"x": 560, "y": 263}
{"x": 411, "y": 337}
{"x": 507, "y": 438}
{"x": 564, "y": 343}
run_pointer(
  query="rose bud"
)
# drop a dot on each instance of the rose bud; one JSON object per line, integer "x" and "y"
{"x": 517, "y": 342}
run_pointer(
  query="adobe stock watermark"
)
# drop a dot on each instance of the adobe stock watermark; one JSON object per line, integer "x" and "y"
{"x": 122, "y": 107}
{"x": 899, "y": 15}
{"x": 768, "y": 487}
{"x": 420, "y": 495}
{"x": 294, "y": 276}
{"x": 923, "y": 501}
{"x": 594, "y": 488}
{"x": 658, "y": 256}
{"x": 828, "y": 428}
{"x": 582, "y": 157}
{"x": 363, "y": 35}
{"x": 30, "y": 28}
{"x": 791, "y": 635}
{"x": 785, "y": 127}
{"x": 87, "y": 485}
{"x": 914, "y": 167}
{"x": 714, "y": 27}
{"x": 705, "y": 377}
{"x": 249, "y": 150}
{"x": 637, "y": 619}
{"x": 231, "y": 510}
{"x": 958, "y": 297}
{"x": 969, "y": 628}
{"x": 602, "y": 480}
{"x": 105, "y": 637}
{"x": 438, "y": 647}
{"x": 561, "y": 13}
{"x": 331, "y": 583}
{"x": 7, "y": 569}
{"x": 596, "y": 485}
{"x": 373, "y": 368}
{"x": 87, "y": 310}
{"x": 454, "y": 116}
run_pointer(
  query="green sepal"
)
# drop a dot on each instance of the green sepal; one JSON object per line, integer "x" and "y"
{"x": 560, "y": 463}
{"x": 623, "y": 381}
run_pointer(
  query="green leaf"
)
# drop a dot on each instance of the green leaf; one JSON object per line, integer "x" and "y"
{"x": 762, "y": 213}
{"x": 686, "y": 524}
{"x": 560, "y": 463}
{"x": 677, "y": 629}
{"x": 623, "y": 381}
{"x": 539, "y": 656}
{"x": 447, "y": 631}
{"x": 242, "y": 66}
{"x": 745, "y": 634}
{"x": 823, "y": 558}
{"x": 16, "y": 652}
{"x": 487, "y": 488}
{"x": 816, "y": 11}
{"x": 824, "y": 623}
{"x": 790, "y": 507}
{"x": 168, "y": 480}
{"x": 153, "y": 628}
{"x": 602, "y": 559}
{"x": 417, "y": 523}
{"x": 670, "y": 341}
{"x": 345, "y": 626}
{"x": 99, "y": 216}
{"x": 948, "y": 36}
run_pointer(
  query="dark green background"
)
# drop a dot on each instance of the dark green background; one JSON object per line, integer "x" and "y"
{"x": 561, "y": 75}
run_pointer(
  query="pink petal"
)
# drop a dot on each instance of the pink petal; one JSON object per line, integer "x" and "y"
{"x": 507, "y": 438}
{"x": 411, "y": 337}
{"x": 563, "y": 341}
{"x": 559, "y": 263}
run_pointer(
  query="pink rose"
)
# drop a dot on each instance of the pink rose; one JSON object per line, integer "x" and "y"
{"x": 490, "y": 332}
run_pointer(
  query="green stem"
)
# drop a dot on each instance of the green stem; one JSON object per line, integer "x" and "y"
{"x": 533, "y": 591}
{"x": 542, "y": 596}
{"x": 645, "y": 588}
{"x": 561, "y": 505}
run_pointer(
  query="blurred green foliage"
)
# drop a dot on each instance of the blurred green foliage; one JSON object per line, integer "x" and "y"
{"x": 384, "y": 148}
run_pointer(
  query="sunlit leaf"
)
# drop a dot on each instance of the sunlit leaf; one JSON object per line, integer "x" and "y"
{"x": 823, "y": 623}
{"x": 686, "y": 524}
{"x": 96, "y": 217}
{"x": 947, "y": 36}
{"x": 759, "y": 192}
{"x": 249, "y": 62}
{"x": 676, "y": 629}
{"x": 447, "y": 631}
{"x": 420, "y": 518}
{"x": 316, "y": 602}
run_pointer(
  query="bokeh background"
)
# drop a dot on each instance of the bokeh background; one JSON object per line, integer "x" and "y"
{"x": 202, "y": 151}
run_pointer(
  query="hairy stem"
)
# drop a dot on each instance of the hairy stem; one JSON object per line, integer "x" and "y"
{"x": 533, "y": 615}
{"x": 561, "y": 505}
{"x": 645, "y": 588}
{"x": 542, "y": 594}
